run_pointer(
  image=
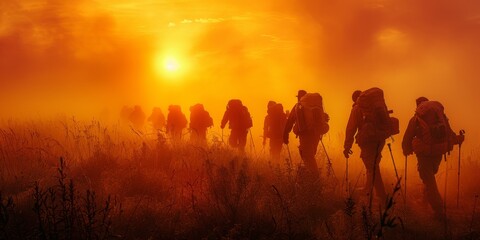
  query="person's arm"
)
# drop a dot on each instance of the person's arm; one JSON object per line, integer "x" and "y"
{"x": 225, "y": 119}
{"x": 168, "y": 126}
{"x": 265, "y": 129}
{"x": 456, "y": 139}
{"x": 326, "y": 117}
{"x": 410, "y": 133}
{"x": 351, "y": 130}
{"x": 292, "y": 117}
{"x": 210, "y": 120}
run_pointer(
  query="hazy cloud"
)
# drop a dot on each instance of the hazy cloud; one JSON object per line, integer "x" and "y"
{"x": 429, "y": 47}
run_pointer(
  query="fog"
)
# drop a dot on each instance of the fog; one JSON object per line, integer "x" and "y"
{"x": 89, "y": 58}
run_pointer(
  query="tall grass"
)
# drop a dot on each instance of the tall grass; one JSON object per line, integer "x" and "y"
{"x": 63, "y": 212}
{"x": 73, "y": 179}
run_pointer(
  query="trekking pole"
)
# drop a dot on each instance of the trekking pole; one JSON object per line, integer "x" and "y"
{"x": 222, "y": 137}
{"x": 262, "y": 152}
{"x": 347, "y": 188}
{"x": 253, "y": 143}
{"x": 330, "y": 168}
{"x": 289, "y": 162}
{"x": 346, "y": 178}
{"x": 406, "y": 167}
{"x": 370, "y": 199}
{"x": 458, "y": 173}
{"x": 405, "y": 192}
{"x": 393, "y": 161}
{"x": 445, "y": 191}
{"x": 395, "y": 167}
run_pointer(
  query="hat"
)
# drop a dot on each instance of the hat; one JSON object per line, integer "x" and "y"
{"x": 355, "y": 95}
{"x": 271, "y": 103}
{"x": 301, "y": 93}
{"x": 420, "y": 100}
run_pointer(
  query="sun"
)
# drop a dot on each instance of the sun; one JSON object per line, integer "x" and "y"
{"x": 167, "y": 66}
{"x": 171, "y": 64}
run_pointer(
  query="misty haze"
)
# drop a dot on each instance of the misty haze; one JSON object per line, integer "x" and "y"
{"x": 183, "y": 119}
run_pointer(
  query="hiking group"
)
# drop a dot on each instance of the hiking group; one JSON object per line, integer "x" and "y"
{"x": 428, "y": 134}
{"x": 175, "y": 122}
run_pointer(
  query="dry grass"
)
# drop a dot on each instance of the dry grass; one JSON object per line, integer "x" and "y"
{"x": 82, "y": 180}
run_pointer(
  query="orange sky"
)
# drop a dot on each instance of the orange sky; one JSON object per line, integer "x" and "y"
{"x": 83, "y": 56}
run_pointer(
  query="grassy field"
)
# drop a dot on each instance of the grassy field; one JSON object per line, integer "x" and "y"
{"x": 69, "y": 179}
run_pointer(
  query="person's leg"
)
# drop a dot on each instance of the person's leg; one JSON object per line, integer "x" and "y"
{"x": 176, "y": 135}
{"x": 202, "y": 137}
{"x": 271, "y": 147}
{"x": 193, "y": 136}
{"x": 379, "y": 186}
{"x": 427, "y": 167}
{"x": 242, "y": 140}
{"x": 275, "y": 147}
{"x": 371, "y": 155}
{"x": 233, "y": 138}
{"x": 307, "y": 148}
{"x": 368, "y": 163}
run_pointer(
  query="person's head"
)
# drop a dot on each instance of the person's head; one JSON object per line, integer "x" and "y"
{"x": 270, "y": 104}
{"x": 421, "y": 100}
{"x": 137, "y": 108}
{"x": 197, "y": 108}
{"x": 355, "y": 95}
{"x": 300, "y": 94}
{"x": 156, "y": 111}
{"x": 234, "y": 104}
{"x": 174, "y": 108}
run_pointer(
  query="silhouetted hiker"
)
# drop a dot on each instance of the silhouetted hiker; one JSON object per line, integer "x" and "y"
{"x": 273, "y": 127}
{"x": 137, "y": 117}
{"x": 125, "y": 114}
{"x": 370, "y": 124}
{"x": 200, "y": 120}
{"x": 239, "y": 121}
{"x": 309, "y": 123}
{"x": 266, "y": 121}
{"x": 176, "y": 122}
{"x": 429, "y": 136}
{"x": 157, "y": 119}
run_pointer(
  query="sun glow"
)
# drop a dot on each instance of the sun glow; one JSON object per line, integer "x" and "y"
{"x": 171, "y": 65}
{"x": 167, "y": 65}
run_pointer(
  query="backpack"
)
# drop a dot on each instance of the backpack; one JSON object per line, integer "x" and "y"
{"x": 239, "y": 116}
{"x": 277, "y": 120}
{"x": 310, "y": 115}
{"x": 433, "y": 129}
{"x": 246, "y": 119}
{"x": 377, "y": 124}
{"x": 234, "y": 104}
{"x": 157, "y": 118}
{"x": 199, "y": 117}
{"x": 176, "y": 118}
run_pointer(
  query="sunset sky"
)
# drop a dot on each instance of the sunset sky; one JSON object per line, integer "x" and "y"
{"x": 85, "y": 56}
